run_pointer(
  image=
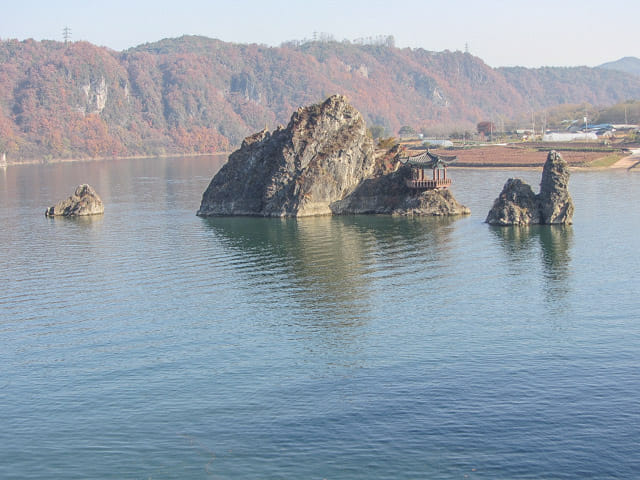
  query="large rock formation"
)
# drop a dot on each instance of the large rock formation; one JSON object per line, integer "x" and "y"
{"x": 518, "y": 205}
{"x": 322, "y": 163}
{"x": 84, "y": 201}
{"x": 389, "y": 194}
{"x": 320, "y": 157}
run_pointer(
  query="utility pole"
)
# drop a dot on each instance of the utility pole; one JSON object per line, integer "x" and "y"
{"x": 586, "y": 121}
{"x": 533, "y": 125}
{"x": 66, "y": 34}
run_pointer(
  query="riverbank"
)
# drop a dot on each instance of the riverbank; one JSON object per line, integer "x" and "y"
{"x": 100, "y": 159}
{"x": 630, "y": 162}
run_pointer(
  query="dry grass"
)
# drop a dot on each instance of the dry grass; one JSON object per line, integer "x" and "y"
{"x": 607, "y": 160}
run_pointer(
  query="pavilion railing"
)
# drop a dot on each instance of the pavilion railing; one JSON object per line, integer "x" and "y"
{"x": 428, "y": 184}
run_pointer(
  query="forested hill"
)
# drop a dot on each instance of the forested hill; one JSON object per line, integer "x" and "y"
{"x": 195, "y": 94}
{"x": 625, "y": 64}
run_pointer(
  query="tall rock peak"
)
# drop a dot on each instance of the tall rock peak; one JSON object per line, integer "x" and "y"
{"x": 319, "y": 158}
{"x": 556, "y": 205}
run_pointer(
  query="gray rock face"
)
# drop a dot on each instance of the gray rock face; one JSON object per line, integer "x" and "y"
{"x": 518, "y": 205}
{"x": 556, "y": 205}
{"x": 389, "y": 194}
{"x": 84, "y": 201}
{"x": 320, "y": 157}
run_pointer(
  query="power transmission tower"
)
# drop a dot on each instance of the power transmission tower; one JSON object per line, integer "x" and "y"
{"x": 66, "y": 34}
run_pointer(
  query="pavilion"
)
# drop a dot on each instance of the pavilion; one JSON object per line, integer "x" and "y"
{"x": 420, "y": 164}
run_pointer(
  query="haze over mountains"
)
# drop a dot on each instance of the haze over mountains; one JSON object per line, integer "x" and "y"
{"x": 626, "y": 64}
{"x": 197, "y": 95}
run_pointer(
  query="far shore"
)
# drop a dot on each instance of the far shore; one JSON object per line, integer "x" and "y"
{"x": 630, "y": 162}
{"x": 40, "y": 161}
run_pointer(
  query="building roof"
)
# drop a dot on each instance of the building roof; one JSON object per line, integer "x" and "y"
{"x": 428, "y": 160}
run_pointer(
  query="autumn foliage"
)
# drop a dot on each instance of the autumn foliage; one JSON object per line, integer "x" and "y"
{"x": 200, "y": 95}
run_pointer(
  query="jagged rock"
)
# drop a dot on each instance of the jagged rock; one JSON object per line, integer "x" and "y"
{"x": 323, "y": 163}
{"x": 518, "y": 205}
{"x": 84, "y": 201}
{"x": 389, "y": 194}
{"x": 320, "y": 157}
{"x": 556, "y": 206}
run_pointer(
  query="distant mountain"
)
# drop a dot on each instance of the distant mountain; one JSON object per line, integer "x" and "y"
{"x": 196, "y": 94}
{"x": 626, "y": 64}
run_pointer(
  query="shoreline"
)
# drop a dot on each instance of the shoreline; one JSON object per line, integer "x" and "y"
{"x": 101, "y": 159}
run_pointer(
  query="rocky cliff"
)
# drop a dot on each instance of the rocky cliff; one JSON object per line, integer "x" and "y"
{"x": 518, "y": 205}
{"x": 320, "y": 157}
{"x": 323, "y": 163}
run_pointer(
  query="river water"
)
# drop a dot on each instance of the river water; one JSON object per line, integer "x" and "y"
{"x": 149, "y": 343}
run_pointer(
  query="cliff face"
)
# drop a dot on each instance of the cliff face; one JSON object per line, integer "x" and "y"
{"x": 320, "y": 157}
{"x": 518, "y": 205}
{"x": 323, "y": 163}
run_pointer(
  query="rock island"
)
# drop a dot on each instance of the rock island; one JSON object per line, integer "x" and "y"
{"x": 518, "y": 205}
{"x": 84, "y": 201}
{"x": 322, "y": 163}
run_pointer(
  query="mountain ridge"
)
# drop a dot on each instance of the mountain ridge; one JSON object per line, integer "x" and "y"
{"x": 199, "y": 95}
{"x": 624, "y": 64}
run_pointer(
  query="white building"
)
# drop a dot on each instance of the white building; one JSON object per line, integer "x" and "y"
{"x": 568, "y": 137}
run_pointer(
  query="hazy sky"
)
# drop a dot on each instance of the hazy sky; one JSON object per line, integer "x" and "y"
{"x": 532, "y": 34}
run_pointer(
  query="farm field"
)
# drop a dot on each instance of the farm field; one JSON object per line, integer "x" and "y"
{"x": 531, "y": 155}
{"x": 505, "y": 156}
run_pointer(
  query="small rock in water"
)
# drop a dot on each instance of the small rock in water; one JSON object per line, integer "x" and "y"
{"x": 518, "y": 205}
{"x": 84, "y": 201}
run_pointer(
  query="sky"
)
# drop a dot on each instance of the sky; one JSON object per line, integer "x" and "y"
{"x": 502, "y": 33}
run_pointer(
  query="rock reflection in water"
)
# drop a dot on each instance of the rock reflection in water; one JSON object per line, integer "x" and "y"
{"x": 327, "y": 267}
{"x": 312, "y": 265}
{"x": 555, "y": 242}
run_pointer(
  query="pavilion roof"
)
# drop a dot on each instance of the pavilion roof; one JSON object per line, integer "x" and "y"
{"x": 428, "y": 160}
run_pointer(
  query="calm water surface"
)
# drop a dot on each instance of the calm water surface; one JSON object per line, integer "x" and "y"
{"x": 150, "y": 343}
